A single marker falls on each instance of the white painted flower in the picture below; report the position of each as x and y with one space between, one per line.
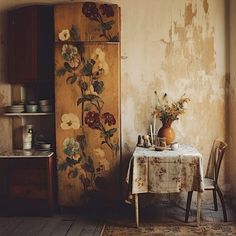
70 54
70 121
90 90
100 62
64 35
69 51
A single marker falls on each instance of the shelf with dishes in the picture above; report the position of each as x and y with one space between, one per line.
44 107
28 113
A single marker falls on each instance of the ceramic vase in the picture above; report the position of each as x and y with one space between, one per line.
167 131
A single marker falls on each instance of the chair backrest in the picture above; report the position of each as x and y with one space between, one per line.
215 159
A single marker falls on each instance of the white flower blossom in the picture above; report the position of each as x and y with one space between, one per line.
64 35
100 62
70 121
90 90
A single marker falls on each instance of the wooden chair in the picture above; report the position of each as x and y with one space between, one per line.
211 177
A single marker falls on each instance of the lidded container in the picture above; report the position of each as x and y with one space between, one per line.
28 137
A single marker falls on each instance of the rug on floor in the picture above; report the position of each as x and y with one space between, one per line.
220 229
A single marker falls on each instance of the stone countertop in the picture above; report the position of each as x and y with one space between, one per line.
26 154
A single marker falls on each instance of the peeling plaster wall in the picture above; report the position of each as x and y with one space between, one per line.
173 47
232 103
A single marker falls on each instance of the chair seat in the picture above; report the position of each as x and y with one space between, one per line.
209 184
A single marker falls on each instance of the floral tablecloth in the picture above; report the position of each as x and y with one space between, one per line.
166 171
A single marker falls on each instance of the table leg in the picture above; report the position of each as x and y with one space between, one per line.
136 210
198 207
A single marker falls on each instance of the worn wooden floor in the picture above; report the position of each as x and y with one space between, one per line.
82 224
58 225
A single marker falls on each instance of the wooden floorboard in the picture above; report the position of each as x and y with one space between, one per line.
49 226
28 226
62 228
9 224
59 225
77 227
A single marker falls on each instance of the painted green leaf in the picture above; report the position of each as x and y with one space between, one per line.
82 141
72 162
61 72
74 33
107 25
116 147
88 98
71 79
98 86
63 166
67 67
81 49
88 68
89 165
115 38
110 132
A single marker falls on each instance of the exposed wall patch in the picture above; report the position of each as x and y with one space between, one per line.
205 6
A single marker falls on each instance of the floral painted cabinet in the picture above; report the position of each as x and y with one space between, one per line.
87 103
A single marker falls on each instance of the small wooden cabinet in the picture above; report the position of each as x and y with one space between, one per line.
27 185
30 44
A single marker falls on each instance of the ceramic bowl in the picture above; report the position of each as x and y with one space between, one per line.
44 102
174 146
31 108
45 145
46 108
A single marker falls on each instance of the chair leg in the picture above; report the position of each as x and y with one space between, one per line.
189 199
222 202
215 200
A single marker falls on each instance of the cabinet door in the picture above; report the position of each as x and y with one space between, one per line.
87 123
28 179
22 41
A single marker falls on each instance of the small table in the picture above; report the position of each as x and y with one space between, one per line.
166 172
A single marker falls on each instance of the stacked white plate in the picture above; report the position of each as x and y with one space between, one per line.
18 108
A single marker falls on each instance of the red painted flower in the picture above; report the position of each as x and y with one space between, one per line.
107 10
109 118
90 10
92 119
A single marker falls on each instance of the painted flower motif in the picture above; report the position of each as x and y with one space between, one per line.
64 35
104 164
90 10
99 152
107 10
90 90
77 157
100 62
70 55
81 171
70 121
92 119
109 118
71 147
